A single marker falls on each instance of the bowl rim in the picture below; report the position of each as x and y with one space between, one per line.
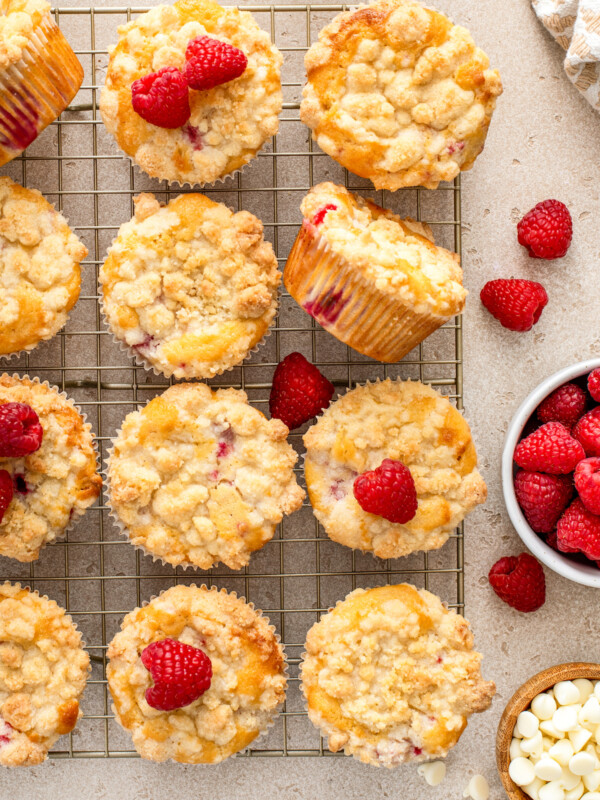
520 700
580 573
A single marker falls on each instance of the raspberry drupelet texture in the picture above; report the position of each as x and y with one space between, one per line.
546 231
587 483
6 491
211 62
519 581
299 391
578 530
565 405
162 98
516 303
181 674
388 491
543 498
587 431
550 448
20 430
593 384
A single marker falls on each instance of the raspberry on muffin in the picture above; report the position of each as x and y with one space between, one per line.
190 287
199 477
248 675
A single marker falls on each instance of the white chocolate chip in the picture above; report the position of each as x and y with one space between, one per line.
579 738
590 711
515 749
543 706
549 728
566 693
597 689
533 746
478 788
569 780
562 751
591 796
586 688
582 763
575 793
565 718
521 771
551 791
434 772
533 788
527 724
548 769
592 781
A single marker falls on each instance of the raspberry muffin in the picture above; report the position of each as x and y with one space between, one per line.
43 672
376 282
198 477
433 455
39 74
390 675
398 94
190 287
47 466
192 91
196 675
40 275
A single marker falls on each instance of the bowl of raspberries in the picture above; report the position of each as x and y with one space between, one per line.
551 472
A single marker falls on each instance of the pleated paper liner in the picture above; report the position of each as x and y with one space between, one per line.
37 88
262 732
350 307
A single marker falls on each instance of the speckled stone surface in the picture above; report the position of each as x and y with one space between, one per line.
544 142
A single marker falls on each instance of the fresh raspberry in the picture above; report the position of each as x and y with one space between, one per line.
211 62
299 391
20 430
551 449
516 303
587 431
566 404
320 215
543 498
546 231
162 98
6 491
519 581
388 491
578 530
552 541
587 483
181 674
593 384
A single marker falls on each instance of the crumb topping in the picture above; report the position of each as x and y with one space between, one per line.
399 256
228 124
403 420
18 19
398 94
191 286
39 268
198 477
390 676
56 483
43 671
248 680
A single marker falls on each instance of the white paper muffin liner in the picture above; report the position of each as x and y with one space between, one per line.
87 426
263 732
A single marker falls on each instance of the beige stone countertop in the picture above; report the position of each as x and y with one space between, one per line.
544 142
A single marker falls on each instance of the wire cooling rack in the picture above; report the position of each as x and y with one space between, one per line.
95 573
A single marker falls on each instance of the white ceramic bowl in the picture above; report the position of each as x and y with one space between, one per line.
580 573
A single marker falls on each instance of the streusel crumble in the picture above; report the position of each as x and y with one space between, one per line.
390 676
248 675
43 671
39 268
198 477
56 483
404 421
398 94
191 287
228 124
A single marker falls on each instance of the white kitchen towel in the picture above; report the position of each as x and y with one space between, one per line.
575 24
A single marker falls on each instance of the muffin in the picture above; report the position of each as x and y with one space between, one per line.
398 94
390 675
39 74
199 476
40 276
247 684
43 671
407 422
47 471
226 125
190 287
376 282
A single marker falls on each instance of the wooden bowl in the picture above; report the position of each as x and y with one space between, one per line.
521 700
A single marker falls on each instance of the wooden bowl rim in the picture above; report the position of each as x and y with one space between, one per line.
521 700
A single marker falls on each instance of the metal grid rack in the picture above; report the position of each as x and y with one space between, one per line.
95 573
